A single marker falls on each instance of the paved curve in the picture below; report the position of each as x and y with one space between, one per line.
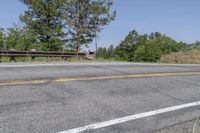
51 71
59 106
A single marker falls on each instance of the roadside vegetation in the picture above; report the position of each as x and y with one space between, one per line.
155 47
182 57
42 59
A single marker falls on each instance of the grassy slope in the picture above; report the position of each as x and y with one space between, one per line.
186 57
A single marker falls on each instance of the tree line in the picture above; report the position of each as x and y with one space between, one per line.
56 25
144 48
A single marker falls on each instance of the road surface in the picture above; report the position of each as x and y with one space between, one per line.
97 97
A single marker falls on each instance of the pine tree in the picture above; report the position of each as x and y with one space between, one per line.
45 18
84 18
127 47
1 39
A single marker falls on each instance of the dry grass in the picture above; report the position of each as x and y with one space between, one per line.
183 57
191 126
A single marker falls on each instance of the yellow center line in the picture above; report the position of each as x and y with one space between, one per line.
127 76
25 82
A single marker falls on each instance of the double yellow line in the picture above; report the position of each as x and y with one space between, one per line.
26 82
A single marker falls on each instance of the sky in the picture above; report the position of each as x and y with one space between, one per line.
179 19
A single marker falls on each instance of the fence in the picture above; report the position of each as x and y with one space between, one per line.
88 55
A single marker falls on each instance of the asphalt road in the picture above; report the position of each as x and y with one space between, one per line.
53 107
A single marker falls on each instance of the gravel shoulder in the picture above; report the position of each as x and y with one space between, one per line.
192 126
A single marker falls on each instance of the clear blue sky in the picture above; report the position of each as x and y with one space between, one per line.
180 19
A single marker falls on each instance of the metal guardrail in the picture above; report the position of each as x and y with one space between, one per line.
44 54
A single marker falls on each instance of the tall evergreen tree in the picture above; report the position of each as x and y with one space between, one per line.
44 17
125 50
86 17
110 51
1 39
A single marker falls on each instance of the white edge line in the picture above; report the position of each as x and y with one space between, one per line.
130 118
64 64
94 63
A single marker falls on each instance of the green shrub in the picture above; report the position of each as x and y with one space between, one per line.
49 59
30 59
76 59
140 54
22 59
151 52
4 59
